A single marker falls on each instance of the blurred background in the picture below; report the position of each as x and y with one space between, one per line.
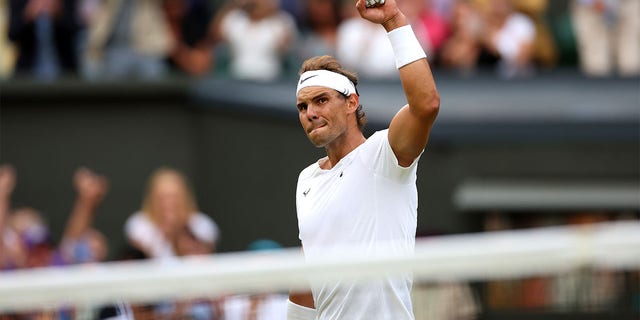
154 128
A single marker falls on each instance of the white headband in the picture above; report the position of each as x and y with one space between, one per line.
328 79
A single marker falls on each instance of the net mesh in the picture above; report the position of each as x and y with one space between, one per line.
542 272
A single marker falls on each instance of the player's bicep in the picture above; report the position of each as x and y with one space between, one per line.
408 134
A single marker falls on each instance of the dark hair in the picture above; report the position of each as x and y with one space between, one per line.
331 64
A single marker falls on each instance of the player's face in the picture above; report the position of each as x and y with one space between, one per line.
323 114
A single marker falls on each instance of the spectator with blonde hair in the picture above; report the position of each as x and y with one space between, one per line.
169 205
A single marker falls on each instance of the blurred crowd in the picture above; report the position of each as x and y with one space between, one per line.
264 40
167 225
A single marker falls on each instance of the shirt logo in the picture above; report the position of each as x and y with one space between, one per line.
304 193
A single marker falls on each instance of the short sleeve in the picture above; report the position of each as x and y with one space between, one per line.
204 228
140 229
378 155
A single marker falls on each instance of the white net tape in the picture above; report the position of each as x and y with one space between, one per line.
468 257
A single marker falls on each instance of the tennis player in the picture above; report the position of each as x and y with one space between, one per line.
363 193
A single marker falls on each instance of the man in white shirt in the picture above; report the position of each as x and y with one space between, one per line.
363 193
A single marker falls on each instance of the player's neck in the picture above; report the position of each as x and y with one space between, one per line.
341 147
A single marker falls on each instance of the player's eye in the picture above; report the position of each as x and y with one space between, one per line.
302 106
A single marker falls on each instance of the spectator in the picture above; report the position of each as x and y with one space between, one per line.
461 51
257 306
295 8
44 32
34 237
186 243
319 30
8 51
431 29
81 243
608 36
364 47
544 47
168 206
12 252
27 238
192 50
128 38
510 36
260 36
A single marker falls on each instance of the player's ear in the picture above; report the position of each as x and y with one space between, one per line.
353 102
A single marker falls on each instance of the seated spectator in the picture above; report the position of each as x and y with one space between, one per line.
364 47
10 254
510 36
431 29
260 37
260 305
44 32
461 51
80 242
187 243
608 36
33 237
8 52
192 50
168 206
127 38
544 48
319 28
26 235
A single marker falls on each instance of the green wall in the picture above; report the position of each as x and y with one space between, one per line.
244 161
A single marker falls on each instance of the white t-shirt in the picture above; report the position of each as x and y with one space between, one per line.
368 202
255 45
517 30
140 229
365 48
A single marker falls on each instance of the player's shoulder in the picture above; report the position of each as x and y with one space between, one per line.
379 135
376 139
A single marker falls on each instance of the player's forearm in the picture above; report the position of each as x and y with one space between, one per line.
420 89
415 73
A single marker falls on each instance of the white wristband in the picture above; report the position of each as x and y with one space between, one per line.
298 312
406 47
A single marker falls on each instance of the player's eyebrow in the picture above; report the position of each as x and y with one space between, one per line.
302 104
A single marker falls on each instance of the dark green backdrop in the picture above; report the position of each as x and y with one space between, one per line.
242 147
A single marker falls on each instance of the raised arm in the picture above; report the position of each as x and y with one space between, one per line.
409 129
91 189
7 184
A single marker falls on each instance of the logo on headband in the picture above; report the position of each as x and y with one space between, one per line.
309 77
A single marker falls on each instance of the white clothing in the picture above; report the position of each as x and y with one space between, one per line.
256 45
517 30
140 229
367 201
270 307
364 47
609 41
